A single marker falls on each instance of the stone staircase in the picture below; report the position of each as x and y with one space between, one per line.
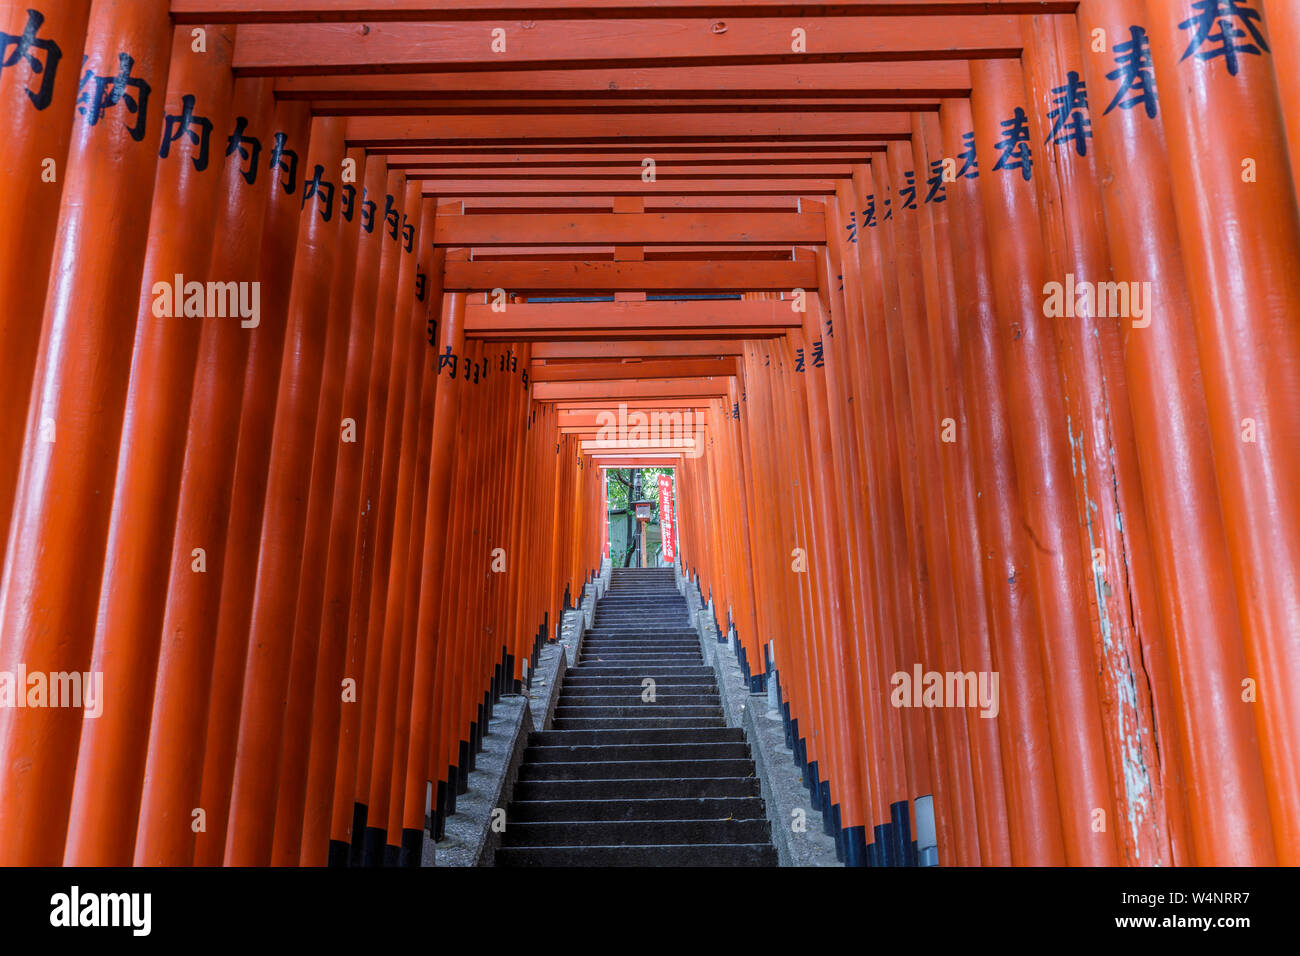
638 773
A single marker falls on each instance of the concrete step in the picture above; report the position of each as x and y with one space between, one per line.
609 640
635 833
664 808
640 789
641 634
637 660
633 698
584 687
644 614
699 735
634 769
643 653
653 722
635 710
674 646
702 854
657 671
621 781
604 753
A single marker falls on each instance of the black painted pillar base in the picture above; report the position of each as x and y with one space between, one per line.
372 853
900 815
412 850
359 812
466 765
453 788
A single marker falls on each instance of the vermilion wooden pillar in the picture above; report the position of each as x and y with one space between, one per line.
110 761
370 791
39 110
1213 782
165 835
839 348
1283 28
1041 443
63 496
927 738
842 499
940 642
961 495
1114 545
892 586
347 817
307 644
284 518
450 341
1033 815
410 330
1240 234
283 156
328 703
428 311
442 512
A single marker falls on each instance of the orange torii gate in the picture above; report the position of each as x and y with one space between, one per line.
976 351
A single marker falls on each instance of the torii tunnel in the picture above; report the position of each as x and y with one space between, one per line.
968 329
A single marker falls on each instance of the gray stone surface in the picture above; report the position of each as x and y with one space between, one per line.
545 690
470 840
780 782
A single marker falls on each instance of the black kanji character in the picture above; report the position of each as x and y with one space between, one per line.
1014 146
937 193
1070 122
286 161
817 354
322 189
798 361
348 203
1222 13
448 358
390 216
1135 72
368 207
852 227
27 47
869 214
249 147
908 192
408 234
970 168
107 91
185 123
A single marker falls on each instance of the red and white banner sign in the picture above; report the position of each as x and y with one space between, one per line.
666 517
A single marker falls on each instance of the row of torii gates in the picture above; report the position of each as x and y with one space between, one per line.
301 449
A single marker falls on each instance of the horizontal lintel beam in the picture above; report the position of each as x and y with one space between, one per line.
638 319
630 229
618 371
637 276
